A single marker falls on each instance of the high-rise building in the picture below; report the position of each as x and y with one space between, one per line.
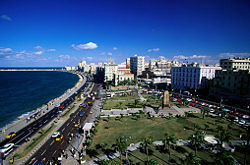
238 63
137 65
192 76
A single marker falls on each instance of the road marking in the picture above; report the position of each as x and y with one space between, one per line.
23 138
54 153
68 124
44 159
35 162
71 120
52 143
33 159
43 152
45 121
63 129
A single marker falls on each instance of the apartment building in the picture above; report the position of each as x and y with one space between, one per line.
137 65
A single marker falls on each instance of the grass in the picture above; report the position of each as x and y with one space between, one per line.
66 113
30 146
124 97
138 128
120 105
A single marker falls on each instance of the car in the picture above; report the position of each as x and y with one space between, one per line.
7 148
11 135
212 110
55 134
59 138
81 114
245 116
188 99
210 106
191 104
242 122
56 120
77 124
199 106
81 105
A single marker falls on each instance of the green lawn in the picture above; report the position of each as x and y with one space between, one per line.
123 97
120 105
138 128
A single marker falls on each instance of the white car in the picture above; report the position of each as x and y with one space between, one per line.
212 110
245 116
188 99
7 148
210 106
55 134
242 122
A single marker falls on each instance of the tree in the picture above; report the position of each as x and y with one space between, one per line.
224 158
146 144
121 146
247 135
224 136
152 162
107 162
204 112
136 102
197 140
168 142
191 159
206 127
120 105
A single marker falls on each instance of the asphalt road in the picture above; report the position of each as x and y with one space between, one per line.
52 149
33 127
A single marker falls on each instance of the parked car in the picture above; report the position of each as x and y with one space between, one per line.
55 134
245 116
11 135
7 148
242 122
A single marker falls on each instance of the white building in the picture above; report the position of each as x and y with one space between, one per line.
137 65
235 63
109 71
192 76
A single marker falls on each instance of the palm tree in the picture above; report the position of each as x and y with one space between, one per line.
107 162
191 158
121 146
224 136
152 162
136 102
168 142
206 127
197 140
120 105
224 158
145 144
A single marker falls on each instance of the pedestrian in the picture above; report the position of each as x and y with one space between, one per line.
74 155
66 155
72 150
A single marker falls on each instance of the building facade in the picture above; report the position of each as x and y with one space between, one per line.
235 63
137 65
231 83
192 76
109 72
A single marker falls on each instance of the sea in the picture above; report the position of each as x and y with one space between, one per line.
24 91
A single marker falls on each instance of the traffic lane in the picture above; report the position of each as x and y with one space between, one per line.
69 127
66 130
52 148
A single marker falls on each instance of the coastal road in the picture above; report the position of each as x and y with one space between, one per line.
51 150
27 132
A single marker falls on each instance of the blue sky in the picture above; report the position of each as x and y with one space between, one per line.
58 33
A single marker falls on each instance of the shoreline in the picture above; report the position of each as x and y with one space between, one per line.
52 102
